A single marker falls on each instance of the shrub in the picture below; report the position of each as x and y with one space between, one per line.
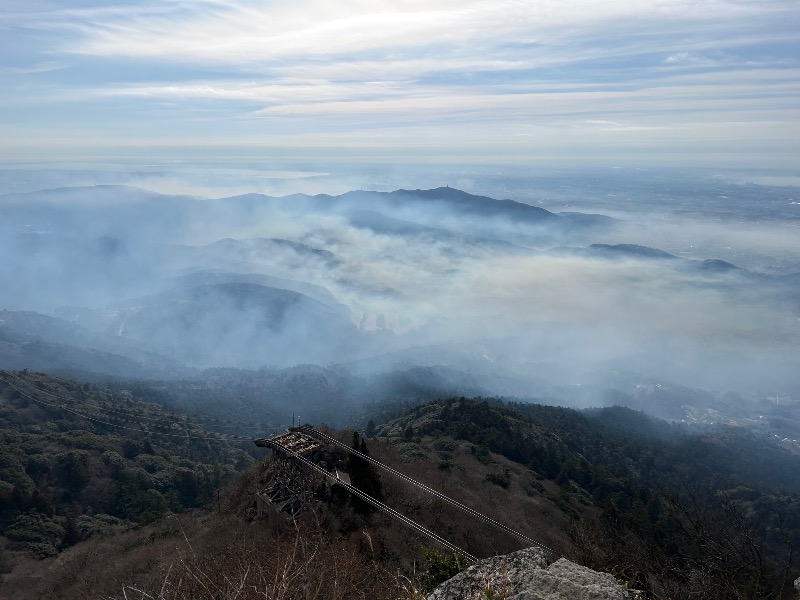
36 532
441 567
73 469
502 479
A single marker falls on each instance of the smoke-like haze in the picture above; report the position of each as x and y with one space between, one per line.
550 300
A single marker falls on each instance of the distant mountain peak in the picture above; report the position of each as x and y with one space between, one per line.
633 250
717 265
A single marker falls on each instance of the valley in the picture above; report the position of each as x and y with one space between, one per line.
634 407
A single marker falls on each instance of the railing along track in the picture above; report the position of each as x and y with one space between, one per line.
308 430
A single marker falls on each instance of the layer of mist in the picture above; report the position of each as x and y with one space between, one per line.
566 305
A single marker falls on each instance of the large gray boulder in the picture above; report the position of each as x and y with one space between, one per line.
526 575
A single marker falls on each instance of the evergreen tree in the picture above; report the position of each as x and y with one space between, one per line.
363 476
72 534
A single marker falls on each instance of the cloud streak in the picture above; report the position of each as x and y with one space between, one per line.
155 71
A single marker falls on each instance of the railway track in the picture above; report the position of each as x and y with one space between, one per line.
299 440
286 450
310 431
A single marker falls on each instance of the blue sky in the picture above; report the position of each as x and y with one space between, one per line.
702 82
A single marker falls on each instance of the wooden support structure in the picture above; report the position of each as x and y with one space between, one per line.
295 441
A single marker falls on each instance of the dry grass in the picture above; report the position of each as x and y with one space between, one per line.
519 506
220 557
205 555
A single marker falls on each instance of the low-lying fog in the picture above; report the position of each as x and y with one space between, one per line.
621 283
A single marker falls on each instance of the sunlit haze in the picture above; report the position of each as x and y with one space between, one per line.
701 83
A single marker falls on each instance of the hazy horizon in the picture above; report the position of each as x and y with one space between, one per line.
661 137
620 285
684 84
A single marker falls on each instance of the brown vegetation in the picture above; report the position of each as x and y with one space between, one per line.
556 477
204 555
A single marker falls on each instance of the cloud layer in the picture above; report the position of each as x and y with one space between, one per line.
427 274
683 81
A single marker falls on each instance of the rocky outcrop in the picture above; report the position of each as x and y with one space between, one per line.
526 575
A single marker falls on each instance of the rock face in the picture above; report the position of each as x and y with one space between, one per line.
526 575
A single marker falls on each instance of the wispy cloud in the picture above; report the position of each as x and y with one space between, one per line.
352 63
42 67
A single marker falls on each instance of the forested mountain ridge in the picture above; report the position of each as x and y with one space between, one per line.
77 461
521 298
633 444
652 501
671 510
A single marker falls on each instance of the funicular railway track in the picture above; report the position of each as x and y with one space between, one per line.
284 447
299 440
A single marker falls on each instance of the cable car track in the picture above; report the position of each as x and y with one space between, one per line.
293 439
308 430
372 501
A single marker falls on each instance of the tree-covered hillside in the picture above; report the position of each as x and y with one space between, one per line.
76 460
713 512
674 511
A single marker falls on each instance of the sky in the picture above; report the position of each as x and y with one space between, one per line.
680 82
